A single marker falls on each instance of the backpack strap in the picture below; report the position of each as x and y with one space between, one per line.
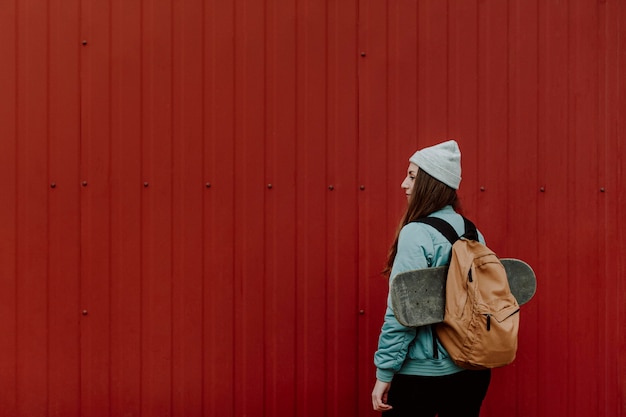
471 232
448 231
441 226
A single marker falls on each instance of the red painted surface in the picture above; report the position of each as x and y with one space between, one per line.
198 199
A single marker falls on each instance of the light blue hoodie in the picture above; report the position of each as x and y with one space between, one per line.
406 350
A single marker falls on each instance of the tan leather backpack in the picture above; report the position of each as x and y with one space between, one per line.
481 321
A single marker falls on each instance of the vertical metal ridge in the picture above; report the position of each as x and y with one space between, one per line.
48 227
142 204
172 232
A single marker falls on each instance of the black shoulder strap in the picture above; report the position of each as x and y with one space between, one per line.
448 231
442 226
471 232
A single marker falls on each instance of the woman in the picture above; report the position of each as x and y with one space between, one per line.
412 379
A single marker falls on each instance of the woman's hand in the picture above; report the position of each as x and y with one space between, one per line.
379 396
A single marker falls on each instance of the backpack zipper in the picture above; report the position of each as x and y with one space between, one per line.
488 316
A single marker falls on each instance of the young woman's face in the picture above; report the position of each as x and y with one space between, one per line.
409 181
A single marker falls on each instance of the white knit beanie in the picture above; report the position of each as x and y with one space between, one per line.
441 161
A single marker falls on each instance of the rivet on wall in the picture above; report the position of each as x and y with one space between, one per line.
542 189
270 186
482 188
84 183
53 185
207 185
362 187
602 190
331 187
146 184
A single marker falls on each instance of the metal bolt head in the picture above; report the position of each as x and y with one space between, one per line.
331 187
84 183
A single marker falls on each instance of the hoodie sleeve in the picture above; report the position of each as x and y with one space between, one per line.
415 250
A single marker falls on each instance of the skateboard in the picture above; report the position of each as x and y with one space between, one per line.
418 297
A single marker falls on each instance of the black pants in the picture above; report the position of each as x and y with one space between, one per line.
456 395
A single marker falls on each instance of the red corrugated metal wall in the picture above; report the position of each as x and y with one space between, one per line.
199 195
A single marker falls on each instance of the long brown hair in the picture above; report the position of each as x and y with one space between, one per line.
428 196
